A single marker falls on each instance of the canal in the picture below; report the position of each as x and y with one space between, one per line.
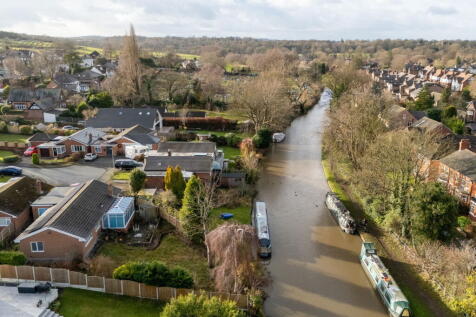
315 269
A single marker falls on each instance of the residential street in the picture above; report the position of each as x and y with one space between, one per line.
60 176
314 267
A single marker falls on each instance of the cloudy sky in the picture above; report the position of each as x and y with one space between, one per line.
275 19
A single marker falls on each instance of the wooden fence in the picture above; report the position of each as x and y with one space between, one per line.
174 221
12 146
67 278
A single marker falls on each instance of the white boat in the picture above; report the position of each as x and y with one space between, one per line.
278 137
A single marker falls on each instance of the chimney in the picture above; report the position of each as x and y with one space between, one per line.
169 152
39 188
110 190
464 144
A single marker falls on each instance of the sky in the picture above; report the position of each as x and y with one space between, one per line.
271 19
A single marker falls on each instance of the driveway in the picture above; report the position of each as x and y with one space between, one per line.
62 176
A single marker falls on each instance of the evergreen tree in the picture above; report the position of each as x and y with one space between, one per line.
136 180
446 94
466 95
190 212
179 183
168 179
424 100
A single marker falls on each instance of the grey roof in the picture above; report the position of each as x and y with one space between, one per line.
88 75
429 125
201 163
418 114
42 137
462 161
64 78
78 213
123 118
138 134
87 136
56 195
187 147
17 195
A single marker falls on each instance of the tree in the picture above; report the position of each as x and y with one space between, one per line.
449 112
446 94
456 125
434 114
73 60
193 305
136 180
6 91
100 100
344 79
466 95
424 100
35 159
81 107
249 160
174 181
171 84
434 212
211 77
190 212
45 63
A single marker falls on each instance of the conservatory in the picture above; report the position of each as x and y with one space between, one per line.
120 214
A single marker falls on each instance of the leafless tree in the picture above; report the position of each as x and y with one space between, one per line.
171 84
211 78
46 63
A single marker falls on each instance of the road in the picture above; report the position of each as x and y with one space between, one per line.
315 269
61 176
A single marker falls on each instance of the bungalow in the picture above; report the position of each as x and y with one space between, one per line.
55 196
23 98
457 172
69 230
428 125
40 138
15 198
119 119
397 117
136 135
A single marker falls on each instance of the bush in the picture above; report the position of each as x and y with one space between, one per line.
434 114
201 305
35 159
463 221
212 123
11 159
25 130
154 273
12 258
76 156
220 140
100 100
232 140
262 139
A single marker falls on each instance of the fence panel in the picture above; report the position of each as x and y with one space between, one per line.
25 272
113 286
60 276
95 281
131 288
222 296
42 274
183 291
241 300
77 278
7 271
148 291
166 293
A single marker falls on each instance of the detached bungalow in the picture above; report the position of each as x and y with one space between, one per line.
69 230
136 135
119 119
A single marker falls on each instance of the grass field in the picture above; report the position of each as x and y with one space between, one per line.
121 176
172 251
8 137
82 303
241 214
226 115
230 152
182 55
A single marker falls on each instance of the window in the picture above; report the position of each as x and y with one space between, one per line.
20 106
41 211
5 221
97 149
116 221
60 149
77 148
37 247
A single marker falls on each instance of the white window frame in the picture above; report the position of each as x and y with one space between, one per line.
5 221
44 209
97 149
74 148
37 244
20 106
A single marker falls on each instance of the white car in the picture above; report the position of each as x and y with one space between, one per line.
278 137
90 157
70 127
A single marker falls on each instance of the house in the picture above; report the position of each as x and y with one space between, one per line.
89 80
155 168
15 198
52 198
176 148
42 104
40 138
136 135
87 61
119 119
431 126
69 230
470 112
397 117
88 140
65 81
457 172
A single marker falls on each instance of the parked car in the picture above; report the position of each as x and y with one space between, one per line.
70 127
126 164
30 151
90 156
11 171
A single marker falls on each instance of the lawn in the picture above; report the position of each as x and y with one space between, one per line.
242 214
172 251
4 179
230 152
226 115
4 154
82 303
217 133
121 176
7 137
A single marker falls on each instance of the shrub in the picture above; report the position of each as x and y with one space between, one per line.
212 123
221 140
201 305
463 221
262 139
35 159
154 273
25 130
12 258
434 114
232 140
137 180
76 156
11 159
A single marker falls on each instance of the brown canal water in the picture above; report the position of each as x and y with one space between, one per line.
315 268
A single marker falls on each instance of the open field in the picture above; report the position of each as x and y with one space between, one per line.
7 137
82 303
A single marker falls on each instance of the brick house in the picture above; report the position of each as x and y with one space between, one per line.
431 126
457 172
135 135
15 198
55 196
40 138
69 230
397 117
40 104
120 119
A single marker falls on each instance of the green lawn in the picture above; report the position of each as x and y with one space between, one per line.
230 152
4 178
4 154
218 133
8 137
81 303
242 214
121 176
226 115
172 251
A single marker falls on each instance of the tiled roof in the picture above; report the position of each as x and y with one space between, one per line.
187 147
462 161
17 195
123 118
186 163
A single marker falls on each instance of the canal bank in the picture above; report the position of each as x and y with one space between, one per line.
315 269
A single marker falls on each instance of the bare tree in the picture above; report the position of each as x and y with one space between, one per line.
171 84
46 63
211 78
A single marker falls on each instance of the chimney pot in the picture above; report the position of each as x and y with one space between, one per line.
169 152
464 144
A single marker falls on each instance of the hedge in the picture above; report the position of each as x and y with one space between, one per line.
12 258
154 273
10 159
213 123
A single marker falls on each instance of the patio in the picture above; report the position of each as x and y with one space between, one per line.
13 304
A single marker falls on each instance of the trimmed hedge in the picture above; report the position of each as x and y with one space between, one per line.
213 123
12 258
154 273
10 159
